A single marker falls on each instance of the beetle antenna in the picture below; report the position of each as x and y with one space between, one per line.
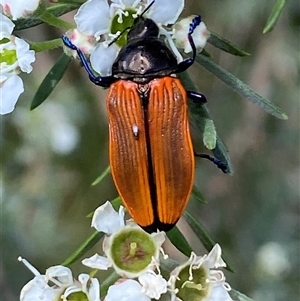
118 36
147 8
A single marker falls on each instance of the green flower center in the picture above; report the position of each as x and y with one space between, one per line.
115 27
195 289
132 250
8 56
78 296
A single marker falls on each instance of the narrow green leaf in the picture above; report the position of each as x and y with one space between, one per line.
237 296
221 152
45 45
57 10
50 81
225 45
197 194
199 116
206 53
179 241
273 18
102 176
86 246
51 19
203 235
240 87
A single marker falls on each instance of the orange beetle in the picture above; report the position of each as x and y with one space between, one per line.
150 148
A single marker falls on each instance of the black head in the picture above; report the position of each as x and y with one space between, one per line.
142 28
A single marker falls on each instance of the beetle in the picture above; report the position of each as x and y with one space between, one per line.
150 148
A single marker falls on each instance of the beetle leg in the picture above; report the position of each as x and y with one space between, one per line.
214 160
184 65
197 97
103 81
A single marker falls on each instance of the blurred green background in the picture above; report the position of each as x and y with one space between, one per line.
50 157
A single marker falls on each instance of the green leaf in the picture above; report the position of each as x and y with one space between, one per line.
51 19
202 234
240 87
197 194
225 45
205 53
179 241
210 134
50 81
273 18
86 246
45 45
102 176
221 152
57 10
199 116
237 296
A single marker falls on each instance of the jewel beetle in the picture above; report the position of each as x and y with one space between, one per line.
150 148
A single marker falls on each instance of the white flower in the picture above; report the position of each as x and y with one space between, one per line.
15 57
103 22
198 279
58 284
129 249
128 290
153 285
16 9
200 35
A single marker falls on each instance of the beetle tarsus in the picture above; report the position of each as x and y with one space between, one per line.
221 165
184 65
197 97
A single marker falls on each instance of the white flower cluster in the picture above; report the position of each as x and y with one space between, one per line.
15 58
134 256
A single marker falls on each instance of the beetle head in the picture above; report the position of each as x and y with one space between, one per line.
143 28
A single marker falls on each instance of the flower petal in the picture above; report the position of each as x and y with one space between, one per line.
127 3
166 11
19 8
214 259
60 275
94 290
93 18
102 58
25 56
128 290
37 289
97 262
218 292
10 91
106 219
7 27
153 285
